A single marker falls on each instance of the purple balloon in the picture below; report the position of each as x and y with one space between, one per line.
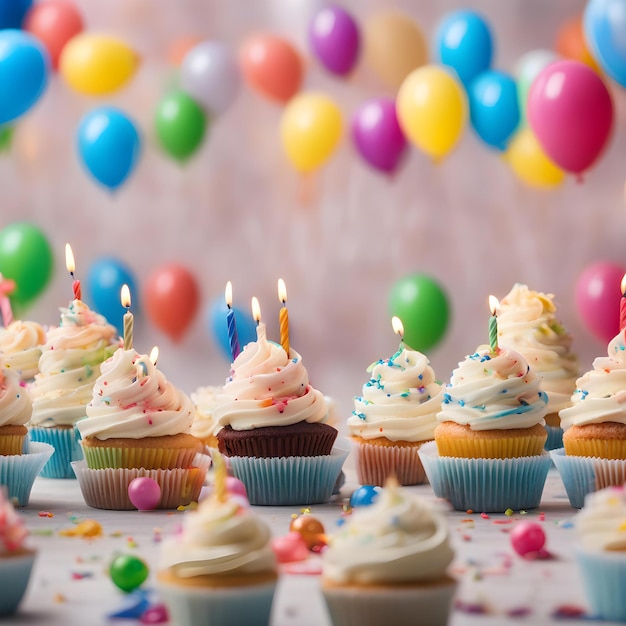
377 134
335 39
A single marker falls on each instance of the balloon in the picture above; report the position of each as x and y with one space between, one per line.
310 129
530 163
463 42
335 40
598 297
394 47
571 112
171 297
12 12
26 257
105 278
604 23
218 327
570 43
6 138
432 110
494 109
422 306
180 47
180 125
272 67
97 65
526 70
109 145
54 23
24 70
377 134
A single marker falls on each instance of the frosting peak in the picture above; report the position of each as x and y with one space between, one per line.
16 404
601 524
20 344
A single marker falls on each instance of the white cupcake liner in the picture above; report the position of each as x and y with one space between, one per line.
603 576
486 485
18 472
108 488
289 480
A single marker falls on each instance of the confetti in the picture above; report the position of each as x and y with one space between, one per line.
45 514
484 515
509 512
88 528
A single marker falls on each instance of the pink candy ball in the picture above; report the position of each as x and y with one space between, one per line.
144 493
527 537
290 548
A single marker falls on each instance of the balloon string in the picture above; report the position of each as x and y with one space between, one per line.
307 189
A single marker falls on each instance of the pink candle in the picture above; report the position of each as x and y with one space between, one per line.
7 287
622 305
71 267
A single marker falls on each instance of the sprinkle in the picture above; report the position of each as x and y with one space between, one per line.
566 523
473 608
469 511
541 517
502 521
58 598
509 512
523 512
130 542
484 515
81 575
522 611
45 514
568 610
87 528
466 537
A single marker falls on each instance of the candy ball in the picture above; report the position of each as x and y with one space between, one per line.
364 496
311 530
128 572
527 537
290 548
234 485
144 493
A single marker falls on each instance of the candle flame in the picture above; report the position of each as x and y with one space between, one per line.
154 355
623 285
282 291
398 328
125 296
69 259
494 305
228 294
256 310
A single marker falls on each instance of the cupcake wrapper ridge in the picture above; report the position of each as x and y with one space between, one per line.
18 472
603 576
66 449
555 438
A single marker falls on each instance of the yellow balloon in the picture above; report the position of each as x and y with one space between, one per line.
531 164
432 110
310 129
97 65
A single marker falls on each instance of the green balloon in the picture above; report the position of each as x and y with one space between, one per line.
180 125
422 306
26 257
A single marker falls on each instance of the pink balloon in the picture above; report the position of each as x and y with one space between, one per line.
570 111
598 298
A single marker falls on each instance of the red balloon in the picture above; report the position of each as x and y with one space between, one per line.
54 23
570 111
171 298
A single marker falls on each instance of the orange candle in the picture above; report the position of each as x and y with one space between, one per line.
283 316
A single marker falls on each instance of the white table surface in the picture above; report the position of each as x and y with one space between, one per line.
70 584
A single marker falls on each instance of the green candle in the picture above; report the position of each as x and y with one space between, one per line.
493 323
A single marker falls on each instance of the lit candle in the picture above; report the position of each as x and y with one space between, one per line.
219 467
71 267
128 318
494 305
260 326
233 338
7 287
283 316
398 328
622 305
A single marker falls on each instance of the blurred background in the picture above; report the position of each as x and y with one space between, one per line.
294 163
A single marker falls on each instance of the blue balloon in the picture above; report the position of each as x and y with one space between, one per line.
604 25
463 42
13 12
109 145
24 71
494 107
103 286
218 327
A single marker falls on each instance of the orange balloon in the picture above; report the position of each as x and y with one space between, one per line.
272 66
570 43
171 298
54 23
180 47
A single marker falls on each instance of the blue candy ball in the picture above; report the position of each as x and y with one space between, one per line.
364 496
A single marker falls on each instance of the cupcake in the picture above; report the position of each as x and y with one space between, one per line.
388 564
16 559
601 552
203 427
21 343
393 417
271 424
16 407
220 567
137 423
488 451
527 323
68 368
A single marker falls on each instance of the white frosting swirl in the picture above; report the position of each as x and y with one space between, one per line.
397 539
267 388
133 399
494 391
205 401
601 524
219 538
400 400
527 324
20 344
600 394
16 405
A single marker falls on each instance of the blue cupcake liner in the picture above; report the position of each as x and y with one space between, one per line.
603 577
66 449
486 485
584 474
18 472
300 480
555 438
14 576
